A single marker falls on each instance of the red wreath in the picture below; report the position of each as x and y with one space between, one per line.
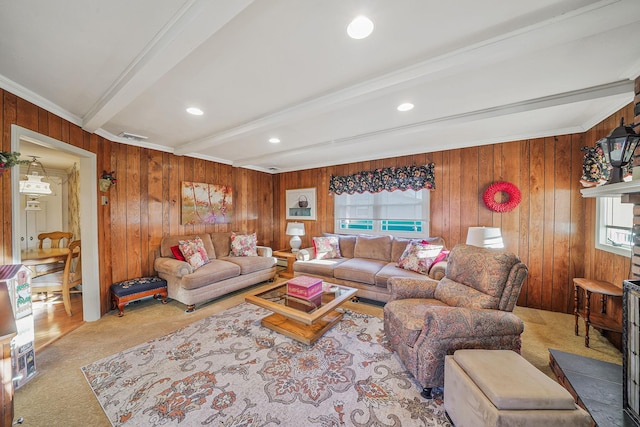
502 187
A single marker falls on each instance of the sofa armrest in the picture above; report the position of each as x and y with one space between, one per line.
442 322
172 267
264 251
437 270
405 287
305 254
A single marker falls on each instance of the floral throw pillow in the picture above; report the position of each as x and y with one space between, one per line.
194 252
419 256
244 244
326 247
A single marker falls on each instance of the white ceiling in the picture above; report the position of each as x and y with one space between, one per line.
478 72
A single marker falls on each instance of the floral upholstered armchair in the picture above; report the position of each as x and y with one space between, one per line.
471 307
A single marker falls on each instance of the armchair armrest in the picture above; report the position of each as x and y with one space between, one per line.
442 322
172 267
264 251
404 287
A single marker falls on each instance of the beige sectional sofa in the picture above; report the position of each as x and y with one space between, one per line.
223 274
366 263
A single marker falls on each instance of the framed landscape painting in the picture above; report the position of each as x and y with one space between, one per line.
206 203
301 204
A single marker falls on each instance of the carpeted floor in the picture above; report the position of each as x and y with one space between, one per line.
59 394
229 370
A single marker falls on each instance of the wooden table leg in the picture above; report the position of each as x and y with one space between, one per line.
575 306
587 320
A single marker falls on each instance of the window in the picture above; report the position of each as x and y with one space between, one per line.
399 213
614 222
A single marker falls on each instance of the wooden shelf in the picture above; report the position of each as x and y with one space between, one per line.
601 321
611 190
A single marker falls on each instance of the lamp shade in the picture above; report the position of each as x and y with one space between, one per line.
295 229
485 237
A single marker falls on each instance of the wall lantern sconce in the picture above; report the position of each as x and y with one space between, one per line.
618 148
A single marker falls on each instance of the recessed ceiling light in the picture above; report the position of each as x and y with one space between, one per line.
274 140
405 107
360 28
195 111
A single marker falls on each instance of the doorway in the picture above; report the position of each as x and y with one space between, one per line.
88 219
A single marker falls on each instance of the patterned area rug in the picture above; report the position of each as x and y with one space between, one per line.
227 370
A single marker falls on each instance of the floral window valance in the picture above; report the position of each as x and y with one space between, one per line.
389 179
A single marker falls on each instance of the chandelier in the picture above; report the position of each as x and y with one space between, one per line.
33 187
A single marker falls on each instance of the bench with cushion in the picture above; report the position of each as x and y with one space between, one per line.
122 293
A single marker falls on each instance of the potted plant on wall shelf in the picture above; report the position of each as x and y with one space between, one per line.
9 159
107 180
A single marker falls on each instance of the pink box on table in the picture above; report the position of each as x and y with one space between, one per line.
304 287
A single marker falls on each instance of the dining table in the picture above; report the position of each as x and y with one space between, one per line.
33 257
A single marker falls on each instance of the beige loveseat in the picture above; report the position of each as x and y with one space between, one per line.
223 274
366 263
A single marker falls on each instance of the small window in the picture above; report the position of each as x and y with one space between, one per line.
399 213
614 225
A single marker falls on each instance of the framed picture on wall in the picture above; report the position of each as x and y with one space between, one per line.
206 203
301 204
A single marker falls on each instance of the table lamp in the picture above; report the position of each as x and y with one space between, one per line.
485 237
295 230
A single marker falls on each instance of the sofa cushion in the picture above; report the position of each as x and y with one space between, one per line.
168 241
419 256
327 247
399 244
194 252
373 247
249 264
347 243
459 295
215 271
359 270
244 244
318 267
221 243
390 270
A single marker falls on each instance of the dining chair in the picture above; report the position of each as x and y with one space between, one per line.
57 239
63 281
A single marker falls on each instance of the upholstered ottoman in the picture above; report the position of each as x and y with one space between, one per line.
500 388
134 289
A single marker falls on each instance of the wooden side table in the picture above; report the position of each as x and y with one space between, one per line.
597 320
290 257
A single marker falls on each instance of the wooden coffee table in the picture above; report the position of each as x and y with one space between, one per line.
296 318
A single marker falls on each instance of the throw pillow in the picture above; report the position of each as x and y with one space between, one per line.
194 252
441 257
327 247
419 256
244 244
175 250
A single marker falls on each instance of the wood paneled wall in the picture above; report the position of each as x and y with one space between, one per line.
145 203
551 230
